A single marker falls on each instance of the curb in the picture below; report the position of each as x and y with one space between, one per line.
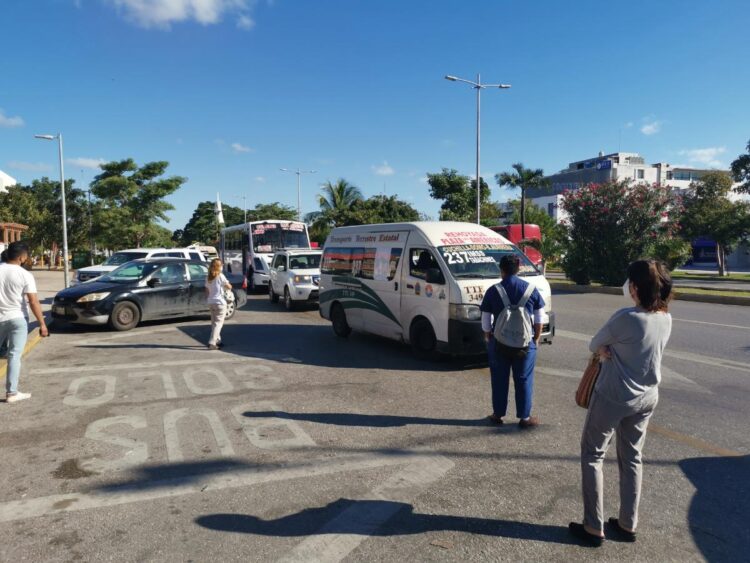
34 338
694 297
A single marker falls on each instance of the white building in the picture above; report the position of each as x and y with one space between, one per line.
6 181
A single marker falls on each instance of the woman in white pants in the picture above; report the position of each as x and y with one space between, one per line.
216 283
630 347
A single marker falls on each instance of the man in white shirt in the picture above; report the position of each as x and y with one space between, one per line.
16 286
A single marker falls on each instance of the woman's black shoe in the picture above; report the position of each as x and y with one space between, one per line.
580 532
620 533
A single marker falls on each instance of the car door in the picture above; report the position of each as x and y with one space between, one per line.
167 293
197 300
419 297
379 269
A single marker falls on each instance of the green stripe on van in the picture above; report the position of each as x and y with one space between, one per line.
360 297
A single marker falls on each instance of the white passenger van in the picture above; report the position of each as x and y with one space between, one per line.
420 283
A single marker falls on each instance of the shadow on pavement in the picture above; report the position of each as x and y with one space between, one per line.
317 345
363 517
368 420
149 477
719 514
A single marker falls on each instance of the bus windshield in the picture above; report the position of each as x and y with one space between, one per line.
268 237
482 260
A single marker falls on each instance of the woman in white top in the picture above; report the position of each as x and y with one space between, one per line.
216 283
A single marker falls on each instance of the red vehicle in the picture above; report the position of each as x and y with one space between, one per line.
513 234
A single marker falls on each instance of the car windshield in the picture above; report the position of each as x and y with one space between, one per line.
304 261
120 258
482 260
130 272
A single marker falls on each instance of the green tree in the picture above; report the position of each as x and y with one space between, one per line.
523 178
335 203
741 171
202 227
707 211
459 196
132 200
273 210
609 225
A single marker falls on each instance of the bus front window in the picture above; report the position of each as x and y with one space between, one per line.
268 237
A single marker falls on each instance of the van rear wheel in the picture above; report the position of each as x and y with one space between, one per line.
423 340
338 321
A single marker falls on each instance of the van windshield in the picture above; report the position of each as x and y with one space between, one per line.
482 260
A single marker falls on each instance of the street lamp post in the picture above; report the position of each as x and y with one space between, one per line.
478 86
299 173
62 199
244 205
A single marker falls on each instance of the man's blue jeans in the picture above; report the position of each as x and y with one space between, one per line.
523 381
14 332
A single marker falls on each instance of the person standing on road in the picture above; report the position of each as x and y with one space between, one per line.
16 286
630 347
216 283
502 364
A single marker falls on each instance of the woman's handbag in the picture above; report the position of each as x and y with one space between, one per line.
588 381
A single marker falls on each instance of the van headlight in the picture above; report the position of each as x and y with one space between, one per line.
302 279
91 297
465 312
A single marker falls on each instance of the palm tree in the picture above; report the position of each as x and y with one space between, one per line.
337 196
523 178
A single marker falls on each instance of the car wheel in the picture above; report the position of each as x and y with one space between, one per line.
423 340
271 294
125 316
231 308
288 301
338 321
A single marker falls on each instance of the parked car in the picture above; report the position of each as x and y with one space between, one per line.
295 275
121 257
142 290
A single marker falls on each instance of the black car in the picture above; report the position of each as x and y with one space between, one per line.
142 290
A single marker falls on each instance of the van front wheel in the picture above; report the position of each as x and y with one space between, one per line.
338 321
423 340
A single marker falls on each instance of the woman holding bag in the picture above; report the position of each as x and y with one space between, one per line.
630 346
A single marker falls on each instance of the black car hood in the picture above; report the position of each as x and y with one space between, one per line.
78 291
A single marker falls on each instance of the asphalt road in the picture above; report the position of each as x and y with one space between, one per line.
294 445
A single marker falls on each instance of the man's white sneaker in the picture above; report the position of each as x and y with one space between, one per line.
17 397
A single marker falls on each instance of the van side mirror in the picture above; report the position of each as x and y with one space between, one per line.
154 282
281 268
434 275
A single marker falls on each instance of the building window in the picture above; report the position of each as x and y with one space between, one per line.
669 175
640 174
551 209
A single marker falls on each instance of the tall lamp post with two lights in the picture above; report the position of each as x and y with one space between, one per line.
478 86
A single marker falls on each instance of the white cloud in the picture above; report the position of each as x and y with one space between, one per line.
163 13
245 22
29 166
651 127
7 121
239 148
260 179
383 169
706 157
83 162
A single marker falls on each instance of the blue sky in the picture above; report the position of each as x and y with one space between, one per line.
229 91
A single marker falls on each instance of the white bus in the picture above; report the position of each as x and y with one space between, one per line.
420 283
247 249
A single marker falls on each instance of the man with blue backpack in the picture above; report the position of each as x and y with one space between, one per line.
512 323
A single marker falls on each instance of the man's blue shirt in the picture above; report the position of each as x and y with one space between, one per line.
514 287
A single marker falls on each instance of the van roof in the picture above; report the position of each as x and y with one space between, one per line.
299 250
432 230
154 250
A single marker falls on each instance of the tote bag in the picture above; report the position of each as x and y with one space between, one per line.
588 381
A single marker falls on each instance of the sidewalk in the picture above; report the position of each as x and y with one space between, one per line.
48 283
714 284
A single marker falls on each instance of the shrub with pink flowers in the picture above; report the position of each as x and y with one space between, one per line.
609 225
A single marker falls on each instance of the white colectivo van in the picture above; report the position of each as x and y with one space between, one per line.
421 283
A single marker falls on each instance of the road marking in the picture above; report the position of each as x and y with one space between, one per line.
697 358
712 324
402 487
134 366
128 493
692 441
172 437
670 378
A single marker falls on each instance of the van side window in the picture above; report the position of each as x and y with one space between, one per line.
365 263
258 265
195 256
278 261
337 261
421 260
